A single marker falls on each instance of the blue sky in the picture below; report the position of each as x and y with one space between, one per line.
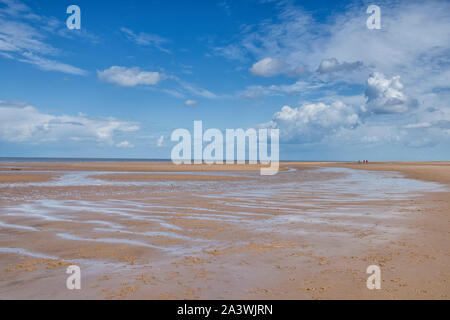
137 70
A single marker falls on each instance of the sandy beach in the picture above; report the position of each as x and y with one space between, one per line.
153 230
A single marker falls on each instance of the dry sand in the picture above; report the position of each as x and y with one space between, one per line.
303 234
15 177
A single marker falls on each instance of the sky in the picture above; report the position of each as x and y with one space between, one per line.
138 70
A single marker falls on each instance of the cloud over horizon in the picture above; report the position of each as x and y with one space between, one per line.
22 123
314 121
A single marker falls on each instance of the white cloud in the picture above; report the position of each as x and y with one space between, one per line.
125 145
412 43
385 95
12 7
333 65
258 92
368 135
160 142
312 122
23 38
146 39
418 125
201 92
17 36
50 65
190 103
129 77
410 32
232 52
24 123
404 67
270 67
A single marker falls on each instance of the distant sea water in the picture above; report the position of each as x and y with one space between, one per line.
40 160
43 160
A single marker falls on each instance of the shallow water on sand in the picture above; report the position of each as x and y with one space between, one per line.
180 215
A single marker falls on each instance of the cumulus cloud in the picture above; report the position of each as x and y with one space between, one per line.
333 65
386 95
129 77
314 121
26 124
412 43
401 71
190 103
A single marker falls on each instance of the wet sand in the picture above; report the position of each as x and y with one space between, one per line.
158 231
123 167
163 177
